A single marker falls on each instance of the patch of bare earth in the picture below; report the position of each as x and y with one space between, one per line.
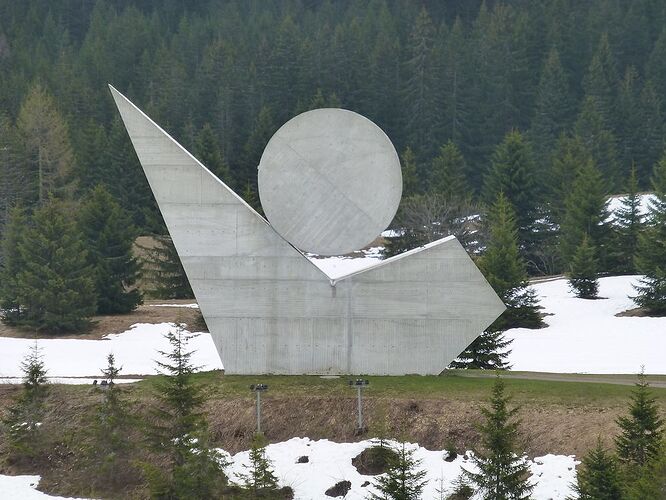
149 312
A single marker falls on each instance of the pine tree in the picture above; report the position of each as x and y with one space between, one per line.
410 179
259 479
12 309
502 475
598 477
651 257
403 480
164 270
180 429
448 174
23 418
504 269
109 237
263 130
512 173
640 440
585 214
55 285
583 273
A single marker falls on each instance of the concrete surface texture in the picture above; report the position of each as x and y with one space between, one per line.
270 310
330 181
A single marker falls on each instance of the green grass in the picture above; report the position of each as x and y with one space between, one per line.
459 386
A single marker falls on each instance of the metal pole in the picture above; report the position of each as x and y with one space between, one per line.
360 407
258 412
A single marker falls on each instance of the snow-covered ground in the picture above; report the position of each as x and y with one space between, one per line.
585 336
135 350
329 463
22 488
343 265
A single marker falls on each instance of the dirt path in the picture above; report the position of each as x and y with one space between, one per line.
618 379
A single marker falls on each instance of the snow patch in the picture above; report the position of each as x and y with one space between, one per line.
585 336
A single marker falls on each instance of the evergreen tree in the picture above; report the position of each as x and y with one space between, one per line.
410 179
585 214
263 130
23 418
56 284
403 480
598 477
583 274
46 142
502 475
208 153
651 257
12 309
650 482
111 429
449 173
109 236
164 270
504 269
601 79
512 173
569 156
180 431
599 140
640 440
627 226
420 87
259 479
553 106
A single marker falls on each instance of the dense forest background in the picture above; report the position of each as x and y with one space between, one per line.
221 77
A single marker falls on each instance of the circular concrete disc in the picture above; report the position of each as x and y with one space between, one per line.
330 181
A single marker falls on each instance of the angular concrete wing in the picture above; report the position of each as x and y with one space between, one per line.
270 310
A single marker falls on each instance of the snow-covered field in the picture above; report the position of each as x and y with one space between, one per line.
329 463
585 336
135 350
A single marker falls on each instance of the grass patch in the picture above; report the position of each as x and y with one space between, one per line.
468 386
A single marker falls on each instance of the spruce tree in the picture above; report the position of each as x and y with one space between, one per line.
502 475
23 418
504 268
164 270
109 237
583 273
627 226
208 152
403 479
259 478
598 477
640 440
111 430
448 175
512 172
56 284
585 214
180 431
11 264
651 257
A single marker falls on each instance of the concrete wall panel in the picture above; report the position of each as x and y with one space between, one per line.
270 310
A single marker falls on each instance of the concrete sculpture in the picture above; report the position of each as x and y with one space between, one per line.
270 310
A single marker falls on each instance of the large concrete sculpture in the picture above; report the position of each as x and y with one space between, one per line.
270 310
